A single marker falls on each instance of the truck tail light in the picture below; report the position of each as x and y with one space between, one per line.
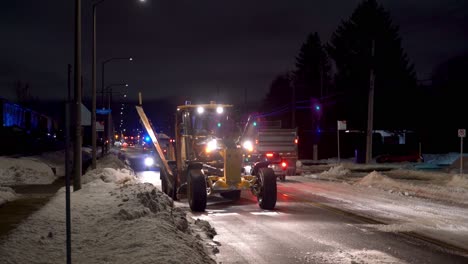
296 141
269 155
284 165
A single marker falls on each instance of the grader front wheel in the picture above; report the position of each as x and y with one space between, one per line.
267 188
197 191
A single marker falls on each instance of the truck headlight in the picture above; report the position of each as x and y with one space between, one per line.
149 161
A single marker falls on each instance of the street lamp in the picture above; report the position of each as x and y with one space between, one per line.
94 91
106 126
109 104
103 67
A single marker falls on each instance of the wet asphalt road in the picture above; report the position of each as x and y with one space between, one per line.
299 230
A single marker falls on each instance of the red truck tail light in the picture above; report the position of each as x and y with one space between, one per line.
269 155
296 141
284 165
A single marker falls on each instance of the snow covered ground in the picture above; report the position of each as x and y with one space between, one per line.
431 203
117 220
114 220
18 171
6 194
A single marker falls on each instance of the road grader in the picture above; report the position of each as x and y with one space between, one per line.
207 160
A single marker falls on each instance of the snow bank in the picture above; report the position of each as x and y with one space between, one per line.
109 175
435 186
377 179
336 171
24 171
113 221
111 161
460 181
6 194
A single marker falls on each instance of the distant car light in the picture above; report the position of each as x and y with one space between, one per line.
149 161
219 110
200 110
248 145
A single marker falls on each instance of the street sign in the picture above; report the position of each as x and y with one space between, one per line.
103 111
461 133
341 124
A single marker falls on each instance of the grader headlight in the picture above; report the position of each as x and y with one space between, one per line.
211 146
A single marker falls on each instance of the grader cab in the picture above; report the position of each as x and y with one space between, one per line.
209 162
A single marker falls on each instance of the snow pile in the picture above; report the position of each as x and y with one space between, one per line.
112 222
460 181
24 171
111 161
6 194
377 179
336 171
109 175
428 185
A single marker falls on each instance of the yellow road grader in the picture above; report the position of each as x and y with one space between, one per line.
207 160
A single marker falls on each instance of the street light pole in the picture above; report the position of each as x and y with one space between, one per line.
370 108
109 106
107 124
78 139
93 104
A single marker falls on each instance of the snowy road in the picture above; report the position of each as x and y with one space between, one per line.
310 226
301 231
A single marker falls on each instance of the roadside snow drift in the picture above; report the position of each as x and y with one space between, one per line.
114 220
24 171
6 194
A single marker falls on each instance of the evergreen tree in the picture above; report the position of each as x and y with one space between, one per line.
312 74
311 84
370 25
278 100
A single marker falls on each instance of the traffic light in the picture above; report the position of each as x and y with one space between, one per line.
317 107
219 124
255 123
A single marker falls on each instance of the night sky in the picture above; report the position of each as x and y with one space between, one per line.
201 50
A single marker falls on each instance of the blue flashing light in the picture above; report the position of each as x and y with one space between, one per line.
219 124
317 107
255 123
147 139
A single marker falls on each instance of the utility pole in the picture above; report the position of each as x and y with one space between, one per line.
68 105
109 118
93 94
102 103
77 70
370 108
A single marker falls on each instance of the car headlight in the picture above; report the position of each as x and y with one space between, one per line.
149 161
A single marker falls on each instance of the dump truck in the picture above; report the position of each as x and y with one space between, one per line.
207 159
268 141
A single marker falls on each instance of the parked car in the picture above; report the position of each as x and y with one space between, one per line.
387 158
